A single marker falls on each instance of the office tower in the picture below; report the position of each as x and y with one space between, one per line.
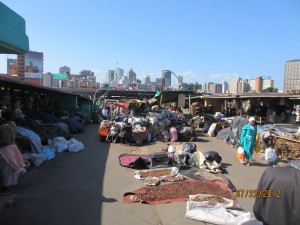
12 67
179 80
233 85
65 69
109 75
131 76
119 73
166 75
225 87
146 79
292 75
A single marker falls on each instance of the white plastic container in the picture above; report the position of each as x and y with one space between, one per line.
171 149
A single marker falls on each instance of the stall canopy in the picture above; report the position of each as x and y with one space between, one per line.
13 38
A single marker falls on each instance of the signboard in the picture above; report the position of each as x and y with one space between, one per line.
60 76
33 65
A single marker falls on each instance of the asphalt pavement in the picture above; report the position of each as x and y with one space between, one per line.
87 188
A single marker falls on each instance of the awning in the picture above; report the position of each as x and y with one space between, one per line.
13 38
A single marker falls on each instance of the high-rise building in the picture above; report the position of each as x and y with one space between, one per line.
131 76
267 82
179 80
47 79
167 74
86 73
65 69
209 87
233 85
225 87
109 75
146 80
12 67
119 73
259 83
292 75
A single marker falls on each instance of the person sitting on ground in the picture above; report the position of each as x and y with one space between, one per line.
278 195
248 140
12 164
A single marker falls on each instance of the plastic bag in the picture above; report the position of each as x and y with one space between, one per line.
74 145
270 155
240 153
189 147
59 144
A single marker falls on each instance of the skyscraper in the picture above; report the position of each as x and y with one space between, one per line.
12 67
146 79
131 76
65 69
109 75
292 75
166 74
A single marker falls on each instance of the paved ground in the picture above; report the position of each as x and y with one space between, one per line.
86 188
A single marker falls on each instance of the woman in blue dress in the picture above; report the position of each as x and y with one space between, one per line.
248 140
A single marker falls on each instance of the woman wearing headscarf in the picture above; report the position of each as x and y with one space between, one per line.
248 140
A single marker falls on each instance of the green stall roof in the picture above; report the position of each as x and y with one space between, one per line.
13 38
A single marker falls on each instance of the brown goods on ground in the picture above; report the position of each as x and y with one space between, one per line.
155 173
152 181
172 178
211 199
208 176
182 190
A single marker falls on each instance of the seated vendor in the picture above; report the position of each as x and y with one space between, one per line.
12 164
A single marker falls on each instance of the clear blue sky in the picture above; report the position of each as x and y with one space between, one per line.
202 40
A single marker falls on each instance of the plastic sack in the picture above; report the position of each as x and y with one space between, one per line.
48 152
213 156
189 147
59 144
258 146
270 155
74 145
240 153
173 134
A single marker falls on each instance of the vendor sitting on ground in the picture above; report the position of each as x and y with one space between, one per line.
12 164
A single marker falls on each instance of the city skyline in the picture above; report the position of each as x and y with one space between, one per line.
202 41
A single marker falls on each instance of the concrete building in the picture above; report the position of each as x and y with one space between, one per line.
86 73
12 67
65 69
167 76
292 75
131 76
225 87
179 80
146 80
259 83
47 79
109 75
233 85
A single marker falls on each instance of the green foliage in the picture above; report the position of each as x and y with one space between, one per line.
270 89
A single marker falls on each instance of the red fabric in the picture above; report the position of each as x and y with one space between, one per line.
122 105
222 184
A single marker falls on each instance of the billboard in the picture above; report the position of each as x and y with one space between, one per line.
33 65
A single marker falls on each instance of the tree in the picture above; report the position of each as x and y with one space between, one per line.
270 89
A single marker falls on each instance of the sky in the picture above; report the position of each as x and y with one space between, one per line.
201 40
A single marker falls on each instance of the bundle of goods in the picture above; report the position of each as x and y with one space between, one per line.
287 147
